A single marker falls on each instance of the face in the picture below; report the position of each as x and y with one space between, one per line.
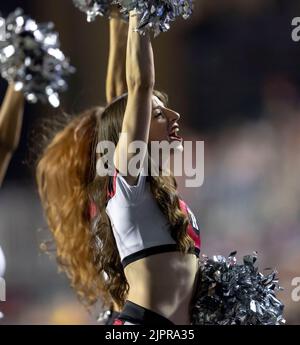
164 124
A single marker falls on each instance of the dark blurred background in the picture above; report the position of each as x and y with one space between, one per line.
232 72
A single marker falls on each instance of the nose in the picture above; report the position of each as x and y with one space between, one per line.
173 115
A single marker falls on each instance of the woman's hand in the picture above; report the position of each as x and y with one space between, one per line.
115 12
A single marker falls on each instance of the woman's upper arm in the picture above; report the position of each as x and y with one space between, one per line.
135 127
5 156
116 73
140 76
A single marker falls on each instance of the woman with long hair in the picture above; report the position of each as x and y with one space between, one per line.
126 238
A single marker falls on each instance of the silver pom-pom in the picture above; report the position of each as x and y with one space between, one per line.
228 293
156 15
93 8
31 58
104 316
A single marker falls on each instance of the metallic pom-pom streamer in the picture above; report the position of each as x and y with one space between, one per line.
31 57
156 15
228 293
93 8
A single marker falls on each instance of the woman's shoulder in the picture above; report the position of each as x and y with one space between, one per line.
120 188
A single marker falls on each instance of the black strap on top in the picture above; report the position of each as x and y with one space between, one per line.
133 312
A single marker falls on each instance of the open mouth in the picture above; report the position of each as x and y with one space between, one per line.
173 134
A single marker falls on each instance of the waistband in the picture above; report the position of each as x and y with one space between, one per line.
156 250
142 316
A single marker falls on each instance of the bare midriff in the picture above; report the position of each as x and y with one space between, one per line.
164 284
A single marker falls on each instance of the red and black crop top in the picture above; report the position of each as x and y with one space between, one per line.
139 227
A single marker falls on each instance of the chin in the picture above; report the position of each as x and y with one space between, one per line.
178 147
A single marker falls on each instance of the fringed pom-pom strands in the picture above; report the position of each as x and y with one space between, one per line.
154 15
31 58
93 8
157 15
229 293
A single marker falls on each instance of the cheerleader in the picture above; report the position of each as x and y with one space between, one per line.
138 244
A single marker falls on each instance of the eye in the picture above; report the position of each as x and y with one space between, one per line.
158 114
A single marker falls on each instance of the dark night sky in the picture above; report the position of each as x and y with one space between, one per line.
214 71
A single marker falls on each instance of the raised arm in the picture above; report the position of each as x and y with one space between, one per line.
140 78
11 116
116 73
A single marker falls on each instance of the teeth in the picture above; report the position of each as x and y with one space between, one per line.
175 131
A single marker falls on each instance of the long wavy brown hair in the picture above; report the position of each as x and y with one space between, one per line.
67 183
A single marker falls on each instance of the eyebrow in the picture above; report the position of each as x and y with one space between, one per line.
158 107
